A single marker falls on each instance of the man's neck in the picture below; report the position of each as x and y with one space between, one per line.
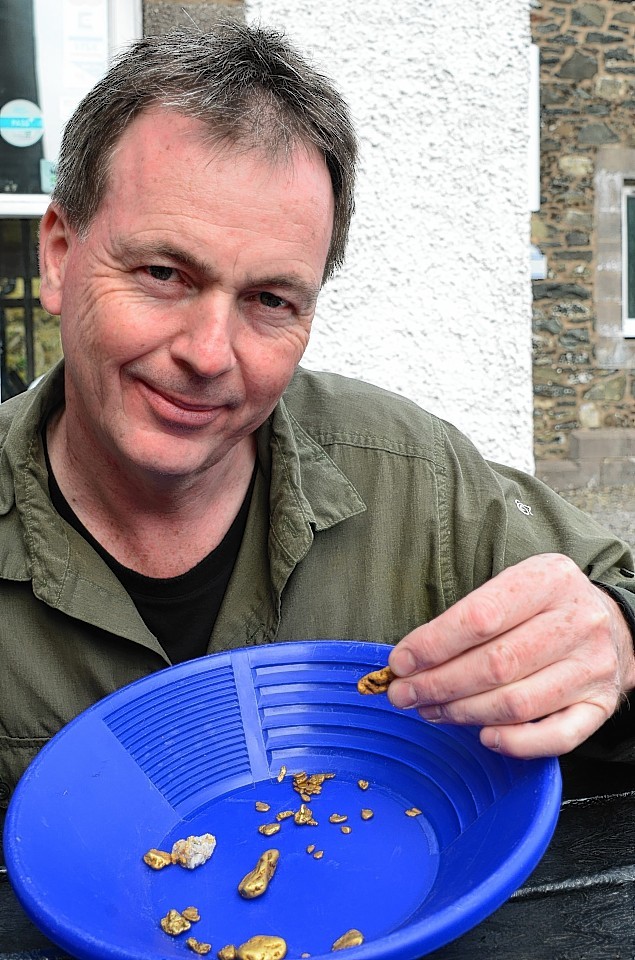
158 526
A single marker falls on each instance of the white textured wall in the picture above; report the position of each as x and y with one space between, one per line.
434 299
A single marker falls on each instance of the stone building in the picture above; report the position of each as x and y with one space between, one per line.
584 345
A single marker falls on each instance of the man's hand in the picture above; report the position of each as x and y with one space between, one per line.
538 656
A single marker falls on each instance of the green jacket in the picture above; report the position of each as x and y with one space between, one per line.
369 517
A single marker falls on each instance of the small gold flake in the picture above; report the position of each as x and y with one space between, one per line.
197 946
318 854
191 913
310 848
346 829
174 923
268 829
262 948
305 796
284 814
352 938
363 784
338 818
282 774
257 880
377 681
413 812
367 814
157 859
262 807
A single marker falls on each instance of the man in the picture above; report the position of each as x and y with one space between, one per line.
179 486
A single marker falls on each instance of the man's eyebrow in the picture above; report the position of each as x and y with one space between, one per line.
148 252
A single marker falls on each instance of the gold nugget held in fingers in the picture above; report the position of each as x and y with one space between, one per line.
377 681
257 880
352 938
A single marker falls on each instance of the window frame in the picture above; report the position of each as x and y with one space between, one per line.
124 25
628 275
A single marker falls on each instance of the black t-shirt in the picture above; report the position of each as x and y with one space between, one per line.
180 611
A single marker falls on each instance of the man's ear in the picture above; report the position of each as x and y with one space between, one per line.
56 237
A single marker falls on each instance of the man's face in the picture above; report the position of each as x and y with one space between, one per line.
188 306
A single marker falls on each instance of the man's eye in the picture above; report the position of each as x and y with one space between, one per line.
161 273
270 300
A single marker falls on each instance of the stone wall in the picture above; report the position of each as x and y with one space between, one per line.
584 369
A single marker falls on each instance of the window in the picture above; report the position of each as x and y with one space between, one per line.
628 259
51 53
614 182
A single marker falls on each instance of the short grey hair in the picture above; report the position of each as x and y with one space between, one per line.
247 84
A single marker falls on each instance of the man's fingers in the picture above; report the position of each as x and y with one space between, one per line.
554 688
519 653
556 734
513 597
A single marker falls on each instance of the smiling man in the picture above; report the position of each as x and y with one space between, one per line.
185 312
179 485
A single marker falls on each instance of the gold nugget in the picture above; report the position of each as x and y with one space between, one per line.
338 818
257 880
282 774
318 854
304 816
198 946
310 848
310 784
268 829
377 681
284 814
174 923
227 953
262 807
362 784
367 814
352 938
191 914
346 829
262 948
413 812
157 859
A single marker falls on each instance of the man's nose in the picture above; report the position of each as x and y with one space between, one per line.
206 340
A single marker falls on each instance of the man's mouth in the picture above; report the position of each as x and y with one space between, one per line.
180 411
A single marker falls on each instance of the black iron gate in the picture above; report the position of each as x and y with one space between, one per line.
29 339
